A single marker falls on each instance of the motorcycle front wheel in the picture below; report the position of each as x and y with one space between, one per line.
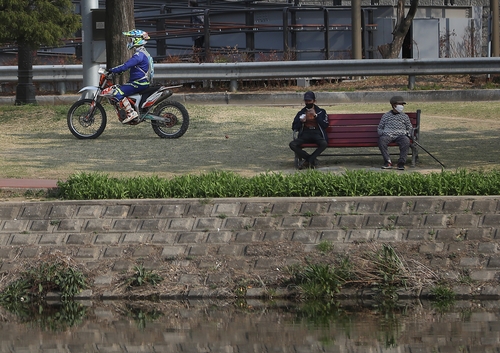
86 122
177 120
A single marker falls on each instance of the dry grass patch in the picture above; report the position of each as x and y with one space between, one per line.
248 140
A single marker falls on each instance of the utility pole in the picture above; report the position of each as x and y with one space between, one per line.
356 29
90 68
495 28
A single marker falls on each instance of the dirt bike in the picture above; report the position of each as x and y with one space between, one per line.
87 117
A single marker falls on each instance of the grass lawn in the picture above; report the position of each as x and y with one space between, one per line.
248 140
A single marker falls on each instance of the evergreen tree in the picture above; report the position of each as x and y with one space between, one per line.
31 24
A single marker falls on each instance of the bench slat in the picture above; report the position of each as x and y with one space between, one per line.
349 143
374 116
352 129
360 121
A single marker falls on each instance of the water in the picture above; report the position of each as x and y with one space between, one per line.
253 326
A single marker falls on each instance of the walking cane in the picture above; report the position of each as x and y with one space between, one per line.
419 145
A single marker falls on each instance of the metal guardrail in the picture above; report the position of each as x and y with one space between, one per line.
327 68
278 69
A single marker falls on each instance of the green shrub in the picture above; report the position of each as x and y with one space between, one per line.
442 293
443 298
378 268
34 283
143 277
325 246
319 281
218 184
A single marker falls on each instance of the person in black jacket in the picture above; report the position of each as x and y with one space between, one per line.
310 123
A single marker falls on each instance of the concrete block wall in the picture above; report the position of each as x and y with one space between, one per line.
209 245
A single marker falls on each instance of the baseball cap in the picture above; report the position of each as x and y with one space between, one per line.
309 96
397 99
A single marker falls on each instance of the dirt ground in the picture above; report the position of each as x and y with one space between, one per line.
414 267
238 281
374 83
247 140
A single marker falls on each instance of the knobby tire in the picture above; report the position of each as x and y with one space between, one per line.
84 125
179 120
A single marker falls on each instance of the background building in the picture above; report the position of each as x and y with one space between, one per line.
292 30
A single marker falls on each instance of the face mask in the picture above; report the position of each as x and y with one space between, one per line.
399 108
309 105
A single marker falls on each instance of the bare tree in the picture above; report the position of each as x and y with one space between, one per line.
403 24
468 46
119 19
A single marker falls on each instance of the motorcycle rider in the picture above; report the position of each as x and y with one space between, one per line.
141 72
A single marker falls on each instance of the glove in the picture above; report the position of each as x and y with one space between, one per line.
114 70
302 117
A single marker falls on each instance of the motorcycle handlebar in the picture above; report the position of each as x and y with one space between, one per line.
105 72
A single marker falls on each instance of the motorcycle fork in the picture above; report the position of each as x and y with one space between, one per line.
95 100
93 105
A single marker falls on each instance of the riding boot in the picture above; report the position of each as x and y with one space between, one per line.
131 113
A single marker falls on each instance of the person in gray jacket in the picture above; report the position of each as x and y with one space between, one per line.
395 126
310 123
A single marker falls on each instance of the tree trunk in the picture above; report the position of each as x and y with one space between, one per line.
403 24
25 90
119 18
391 50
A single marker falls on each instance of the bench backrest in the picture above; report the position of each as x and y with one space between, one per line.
358 129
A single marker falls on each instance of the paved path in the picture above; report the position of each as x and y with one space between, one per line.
27 183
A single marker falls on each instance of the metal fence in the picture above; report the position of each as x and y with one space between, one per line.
61 75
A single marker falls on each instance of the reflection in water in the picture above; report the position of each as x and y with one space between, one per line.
56 317
253 326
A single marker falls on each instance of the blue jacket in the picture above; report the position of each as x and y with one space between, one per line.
140 66
321 119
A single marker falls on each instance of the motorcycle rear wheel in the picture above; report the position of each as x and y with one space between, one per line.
82 123
178 116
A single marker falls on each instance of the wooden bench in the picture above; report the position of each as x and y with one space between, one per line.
360 130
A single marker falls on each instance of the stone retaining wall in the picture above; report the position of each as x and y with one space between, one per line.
207 248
